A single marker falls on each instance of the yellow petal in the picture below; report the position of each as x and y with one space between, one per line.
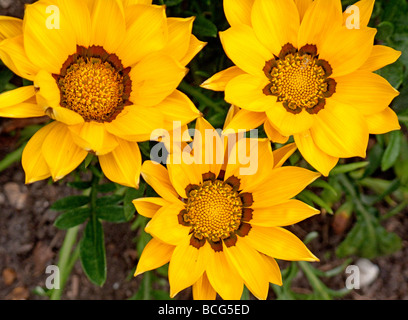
13 55
319 20
195 47
48 93
146 33
303 6
246 92
108 25
381 56
127 3
282 154
46 43
123 164
243 47
279 243
93 137
134 122
78 14
318 159
340 131
10 27
382 122
365 10
275 23
273 191
62 114
284 214
154 78
347 50
250 265
60 151
177 107
20 103
148 207
157 177
179 34
34 164
202 289
165 226
185 268
219 81
288 123
238 11
366 91
273 134
273 271
155 254
224 277
246 120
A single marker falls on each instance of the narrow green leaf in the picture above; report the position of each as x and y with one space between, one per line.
344 168
109 200
392 151
70 202
80 185
130 195
204 27
72 218
92 252
111 213
12 157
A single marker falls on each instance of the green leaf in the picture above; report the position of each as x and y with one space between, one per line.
172 3
70 202
111 213
92 252
109 200
130 195
344 168
80 185
72 218
204 27
392 151
12 157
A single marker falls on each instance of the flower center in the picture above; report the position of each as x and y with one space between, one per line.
215 211
299 79
94 84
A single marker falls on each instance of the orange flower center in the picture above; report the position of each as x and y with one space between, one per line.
299 79
216 212
94 84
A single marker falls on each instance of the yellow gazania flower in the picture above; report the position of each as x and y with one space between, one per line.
219 229
302 70
106 71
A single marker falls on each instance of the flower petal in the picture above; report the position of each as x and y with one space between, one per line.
279 243
202 289
157 177
246 120
155 254
340 131
219 81
250 265
365 10
185 268
347 50
318 159
275 23
287 123
282 154
243 47
146 33
46 43
108 25
60 151
380 57
13 55
303 6
238 11
224 277
273 272
20 103
366 91
165 226
195 47
283 214
135 123
246 92
148 207
33 161
273 134
10 27
93 137
383 122
272 192
154 78
123 164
